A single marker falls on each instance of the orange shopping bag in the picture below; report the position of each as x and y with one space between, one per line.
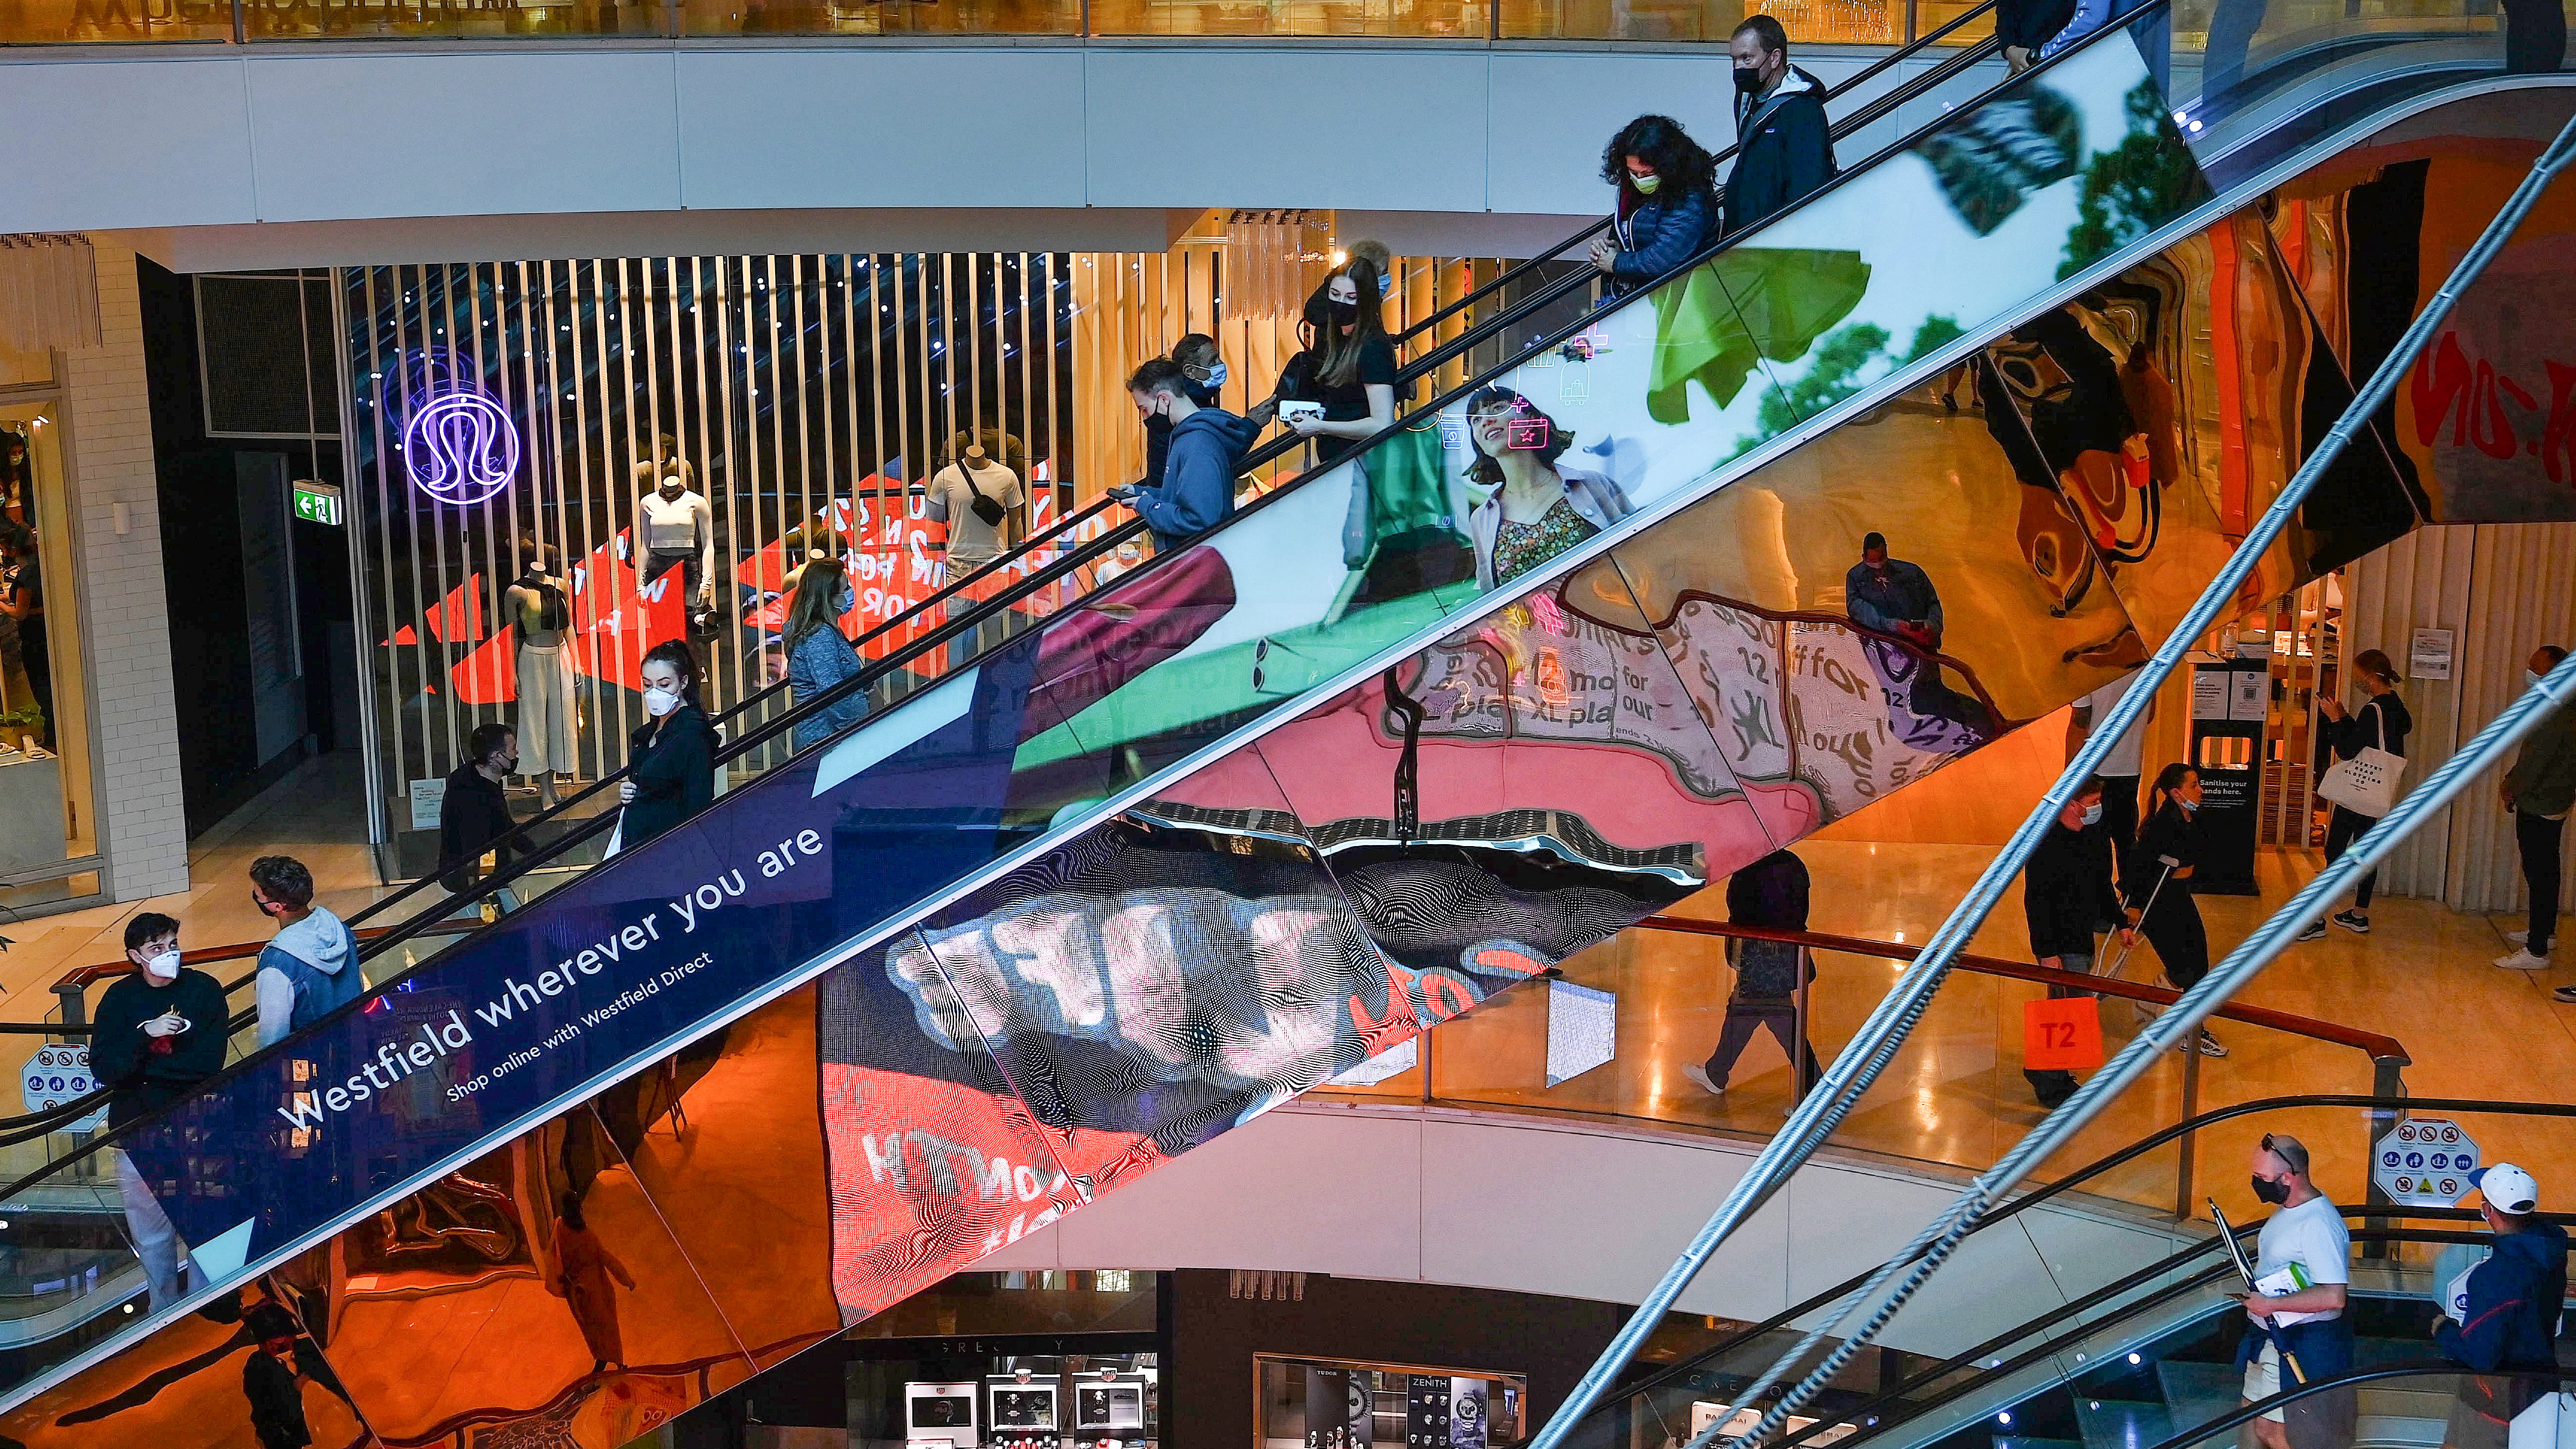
2061 1035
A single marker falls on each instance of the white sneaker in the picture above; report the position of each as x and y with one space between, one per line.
2523 961
2517 938
1698 1077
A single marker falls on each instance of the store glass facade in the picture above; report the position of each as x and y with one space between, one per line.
49 847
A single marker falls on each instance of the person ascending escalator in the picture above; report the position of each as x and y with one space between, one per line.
1666 213
1783 146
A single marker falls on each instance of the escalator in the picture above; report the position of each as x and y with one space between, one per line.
2121 1356
1268 808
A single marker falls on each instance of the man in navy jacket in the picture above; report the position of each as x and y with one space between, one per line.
1197 491
2510 1325
1783 146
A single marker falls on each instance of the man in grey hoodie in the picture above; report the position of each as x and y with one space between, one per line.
310 967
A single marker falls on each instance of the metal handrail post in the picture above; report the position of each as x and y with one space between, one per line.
2387 1080
2187 1148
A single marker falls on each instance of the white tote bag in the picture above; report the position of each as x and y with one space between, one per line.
2366 784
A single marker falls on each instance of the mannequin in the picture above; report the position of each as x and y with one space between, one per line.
973 542
540 603
678 526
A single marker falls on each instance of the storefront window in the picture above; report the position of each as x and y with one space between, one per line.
46 821
1308 1403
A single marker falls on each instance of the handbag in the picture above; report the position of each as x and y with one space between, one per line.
2366 784
986 508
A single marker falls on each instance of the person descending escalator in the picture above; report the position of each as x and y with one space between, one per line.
2296 1330
1783 146
1203 378
671 758
1666 214
2157 883
1208 444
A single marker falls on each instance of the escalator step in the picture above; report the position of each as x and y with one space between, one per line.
2397 1431
2123 1423
2197 1393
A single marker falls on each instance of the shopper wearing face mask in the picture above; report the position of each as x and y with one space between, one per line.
1665 214
158 1032
1348 365
2537 792
2383 724
2157 884
1783 147
2507 1333
2065 892
671 758
1203 378
1208 444
819 655
474 817
310 967
2302 1266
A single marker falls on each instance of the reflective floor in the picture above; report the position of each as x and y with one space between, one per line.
1956 1095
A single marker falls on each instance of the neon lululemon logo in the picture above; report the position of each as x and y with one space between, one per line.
460 446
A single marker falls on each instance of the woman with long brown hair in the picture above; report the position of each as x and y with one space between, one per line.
2382 723
1348 365
819 655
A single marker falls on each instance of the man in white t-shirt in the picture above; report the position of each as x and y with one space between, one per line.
2121 768
2302 1273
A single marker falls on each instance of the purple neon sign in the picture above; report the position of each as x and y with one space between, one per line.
460 446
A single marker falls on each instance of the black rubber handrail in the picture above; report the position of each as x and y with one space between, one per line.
2440 1368
937 599
1521 269
1083 555
1700 1361
1891 1400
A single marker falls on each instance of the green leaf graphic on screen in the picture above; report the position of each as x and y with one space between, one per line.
2139 185
1836 373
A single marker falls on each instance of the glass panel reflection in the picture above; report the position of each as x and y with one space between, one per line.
246 1371
535 1288
727 1140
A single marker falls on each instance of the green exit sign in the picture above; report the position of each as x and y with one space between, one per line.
317 502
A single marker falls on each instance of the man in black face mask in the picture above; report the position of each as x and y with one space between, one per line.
2301 1268
1784 149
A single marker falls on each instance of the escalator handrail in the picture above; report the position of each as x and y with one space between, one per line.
1893 1397
2292 1392
2379 1048
937 599
1848 83
1549 293
2121 1158
1083 555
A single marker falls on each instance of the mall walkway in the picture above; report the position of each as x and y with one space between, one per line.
316 814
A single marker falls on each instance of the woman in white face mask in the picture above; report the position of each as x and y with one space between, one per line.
671 758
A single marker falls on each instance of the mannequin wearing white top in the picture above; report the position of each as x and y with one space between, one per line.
678 526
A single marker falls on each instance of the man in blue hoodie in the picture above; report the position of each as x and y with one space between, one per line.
1208 444
310 967
2508 1332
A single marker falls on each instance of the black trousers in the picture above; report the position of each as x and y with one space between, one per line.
2181 942
1737 1033
2540 841
2535 36
2342 829
2053 1086
2120 815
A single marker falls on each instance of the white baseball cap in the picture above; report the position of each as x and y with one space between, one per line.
2508 1188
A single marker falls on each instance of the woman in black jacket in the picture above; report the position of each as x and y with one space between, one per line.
2157 884
671 771
2383 723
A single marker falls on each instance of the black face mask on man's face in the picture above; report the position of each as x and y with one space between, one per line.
2275 1193
1748 79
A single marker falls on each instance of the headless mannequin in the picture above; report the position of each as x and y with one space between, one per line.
676 523
540 648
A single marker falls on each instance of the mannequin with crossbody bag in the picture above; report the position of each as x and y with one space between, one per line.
2363 786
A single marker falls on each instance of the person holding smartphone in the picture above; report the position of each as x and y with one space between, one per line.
159 1032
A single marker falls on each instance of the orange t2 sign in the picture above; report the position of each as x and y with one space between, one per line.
2061 1035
